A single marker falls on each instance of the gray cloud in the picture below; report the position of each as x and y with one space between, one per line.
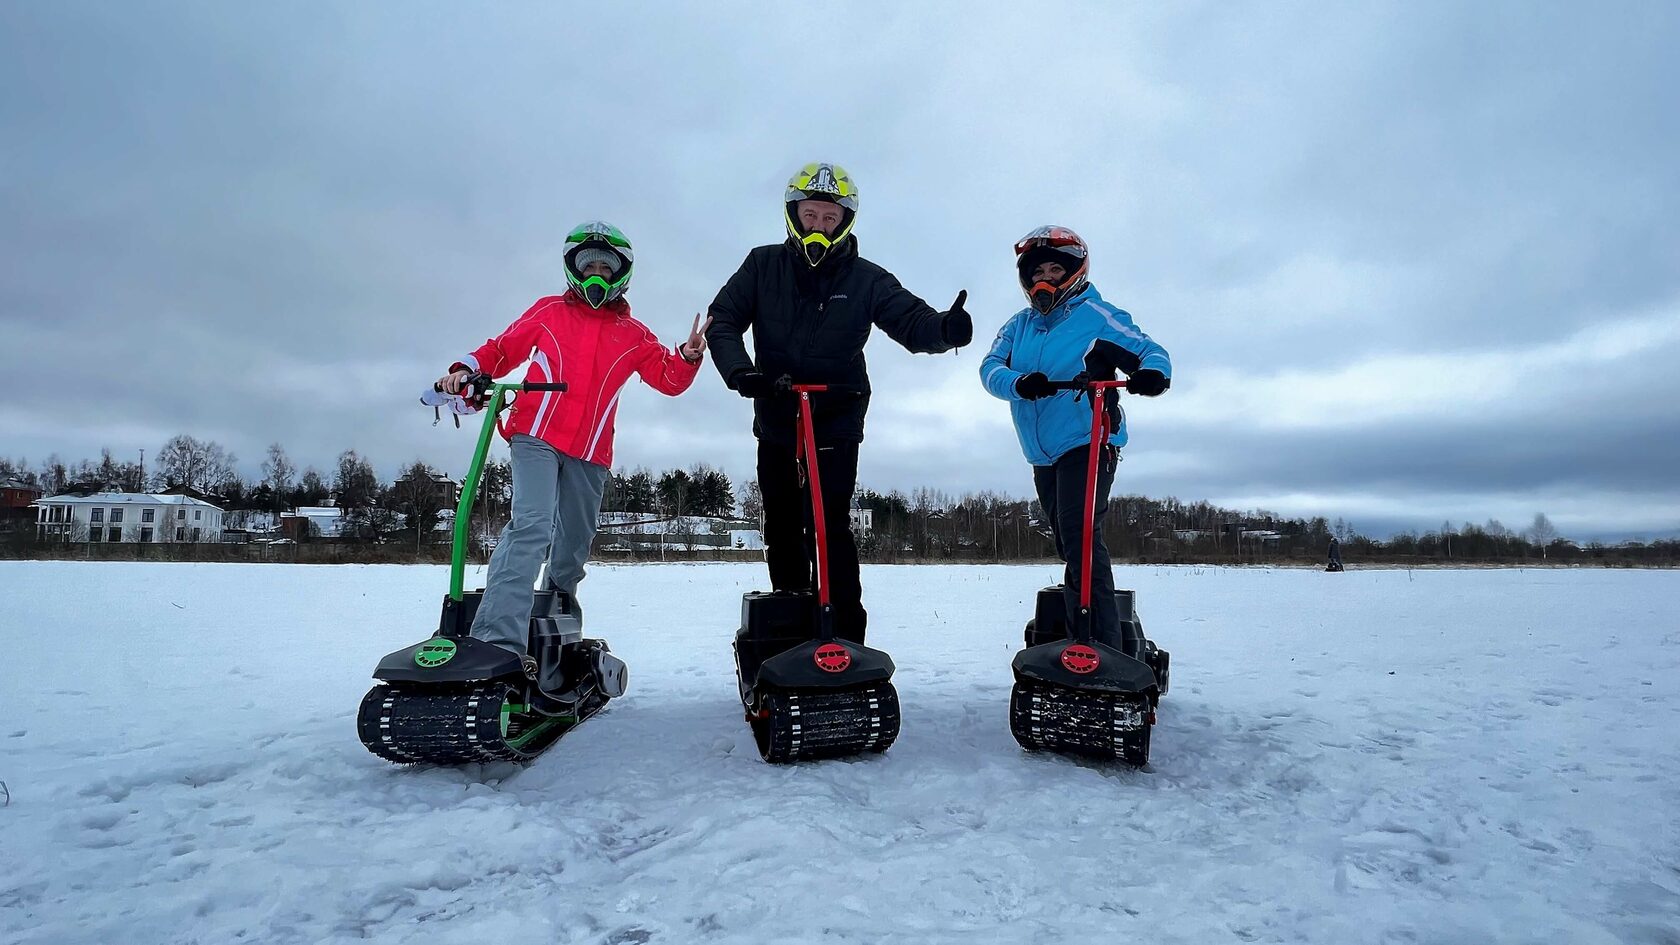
278 223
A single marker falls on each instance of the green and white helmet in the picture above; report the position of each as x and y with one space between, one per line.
597 241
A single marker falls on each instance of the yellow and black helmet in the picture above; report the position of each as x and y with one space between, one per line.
828 182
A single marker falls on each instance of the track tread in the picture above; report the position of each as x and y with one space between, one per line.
438 725
809 725
1045 717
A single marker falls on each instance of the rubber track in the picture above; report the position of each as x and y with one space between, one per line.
808 725
1075 722
452 726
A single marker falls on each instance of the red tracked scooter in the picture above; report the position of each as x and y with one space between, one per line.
1073 694
807 693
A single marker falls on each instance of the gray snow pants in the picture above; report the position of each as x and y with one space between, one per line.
556 507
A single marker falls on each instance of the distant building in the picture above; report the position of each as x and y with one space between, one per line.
312 521
445 491
862 519
17 500
107 517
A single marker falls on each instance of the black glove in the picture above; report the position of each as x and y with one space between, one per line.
1148 382
958 328
1033 386
753 385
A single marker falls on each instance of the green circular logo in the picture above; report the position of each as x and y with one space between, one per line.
435 652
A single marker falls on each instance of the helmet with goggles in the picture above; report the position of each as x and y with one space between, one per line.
590 248
826 183
1061 247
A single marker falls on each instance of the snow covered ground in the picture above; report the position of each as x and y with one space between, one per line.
1377 756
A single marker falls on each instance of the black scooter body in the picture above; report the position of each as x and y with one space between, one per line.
1049 628
778 645
452 698
806 697
464 660
1091 666
1084 697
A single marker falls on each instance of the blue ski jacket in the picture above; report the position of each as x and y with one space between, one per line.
1055 343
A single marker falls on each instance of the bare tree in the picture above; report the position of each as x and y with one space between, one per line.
54 475
1542 533
312 489
419 497
278 471
752 502
197 464
356 483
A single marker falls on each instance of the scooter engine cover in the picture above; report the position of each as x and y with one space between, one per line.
448 660
1084 666
826 664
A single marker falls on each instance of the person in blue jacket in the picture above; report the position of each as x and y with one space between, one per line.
1067 330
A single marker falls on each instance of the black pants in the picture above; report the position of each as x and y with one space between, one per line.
789 533
1061 491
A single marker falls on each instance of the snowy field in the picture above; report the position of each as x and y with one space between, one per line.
1378 756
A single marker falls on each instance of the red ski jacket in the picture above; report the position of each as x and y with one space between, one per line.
594 352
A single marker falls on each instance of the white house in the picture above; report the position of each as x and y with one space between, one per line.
127 516
863 520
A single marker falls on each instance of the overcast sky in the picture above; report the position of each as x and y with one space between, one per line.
1413 262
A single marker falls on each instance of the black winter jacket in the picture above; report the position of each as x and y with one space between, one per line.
811 324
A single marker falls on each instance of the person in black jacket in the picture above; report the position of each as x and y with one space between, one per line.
810 302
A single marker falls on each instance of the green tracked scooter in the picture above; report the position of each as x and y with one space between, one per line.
451 699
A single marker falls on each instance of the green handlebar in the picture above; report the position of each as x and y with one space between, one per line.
469 488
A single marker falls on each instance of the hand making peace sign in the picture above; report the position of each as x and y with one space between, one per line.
695 346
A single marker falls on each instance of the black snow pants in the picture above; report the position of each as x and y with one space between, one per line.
789 532
1061 492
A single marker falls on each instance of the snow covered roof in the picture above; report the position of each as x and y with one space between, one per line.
125 498
315 511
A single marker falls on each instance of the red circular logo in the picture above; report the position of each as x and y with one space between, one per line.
833 658
1080 659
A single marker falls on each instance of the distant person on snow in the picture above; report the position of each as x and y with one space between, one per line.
1068 330
562 442
1335 555
810 302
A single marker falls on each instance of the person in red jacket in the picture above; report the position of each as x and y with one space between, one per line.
562 442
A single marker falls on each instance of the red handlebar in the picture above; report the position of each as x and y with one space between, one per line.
1072 384
825 388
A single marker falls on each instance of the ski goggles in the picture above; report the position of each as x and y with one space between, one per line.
1059 238
794 195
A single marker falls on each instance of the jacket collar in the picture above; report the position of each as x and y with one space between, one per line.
816 282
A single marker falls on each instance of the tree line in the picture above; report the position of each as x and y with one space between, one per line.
915 525
408 507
